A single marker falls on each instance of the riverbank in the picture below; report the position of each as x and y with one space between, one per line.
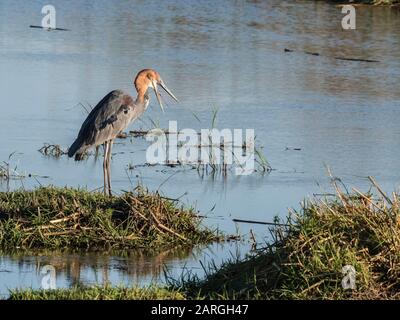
64 218
311 256
99 293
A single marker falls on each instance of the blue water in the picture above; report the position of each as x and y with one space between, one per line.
226 55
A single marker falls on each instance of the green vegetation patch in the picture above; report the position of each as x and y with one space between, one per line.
63 218
306 258
98 293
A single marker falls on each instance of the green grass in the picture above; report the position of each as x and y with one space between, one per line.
306 258
63 218
98 293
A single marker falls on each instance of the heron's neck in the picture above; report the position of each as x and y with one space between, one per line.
140 101
141 92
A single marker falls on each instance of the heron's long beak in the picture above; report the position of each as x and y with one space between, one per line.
158 95
162 85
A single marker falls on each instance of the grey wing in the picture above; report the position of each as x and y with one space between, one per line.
110 116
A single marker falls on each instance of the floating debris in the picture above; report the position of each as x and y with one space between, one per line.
53 150
333 57
292 148
122 135
261 222
48 29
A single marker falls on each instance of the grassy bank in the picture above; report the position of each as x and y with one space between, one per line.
60 218
306 259
98 293
307 254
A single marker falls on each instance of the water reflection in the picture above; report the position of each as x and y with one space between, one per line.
23 269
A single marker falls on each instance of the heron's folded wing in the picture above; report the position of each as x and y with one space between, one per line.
106 118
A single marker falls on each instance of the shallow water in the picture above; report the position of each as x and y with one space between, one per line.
21 270
227 55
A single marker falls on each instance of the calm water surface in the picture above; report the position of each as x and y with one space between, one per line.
228 55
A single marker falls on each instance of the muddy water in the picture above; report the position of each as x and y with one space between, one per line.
307 111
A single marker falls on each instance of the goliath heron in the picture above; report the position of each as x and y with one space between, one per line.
112 115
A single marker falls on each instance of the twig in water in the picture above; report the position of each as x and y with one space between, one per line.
337 58
48 29
261 222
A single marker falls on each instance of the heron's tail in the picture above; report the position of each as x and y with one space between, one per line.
76 150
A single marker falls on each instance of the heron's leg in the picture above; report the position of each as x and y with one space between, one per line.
105 167
110 143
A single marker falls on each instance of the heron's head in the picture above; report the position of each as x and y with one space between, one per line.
149 78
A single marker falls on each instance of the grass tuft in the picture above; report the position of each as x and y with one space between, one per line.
63 218
306 258
98 293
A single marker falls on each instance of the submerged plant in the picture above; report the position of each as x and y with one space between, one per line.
216 166
9 172
53 150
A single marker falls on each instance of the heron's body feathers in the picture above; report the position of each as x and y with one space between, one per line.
111 115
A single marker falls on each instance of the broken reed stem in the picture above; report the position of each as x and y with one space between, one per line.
380 190
337 189
60 233
160 225
366 198
71 217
